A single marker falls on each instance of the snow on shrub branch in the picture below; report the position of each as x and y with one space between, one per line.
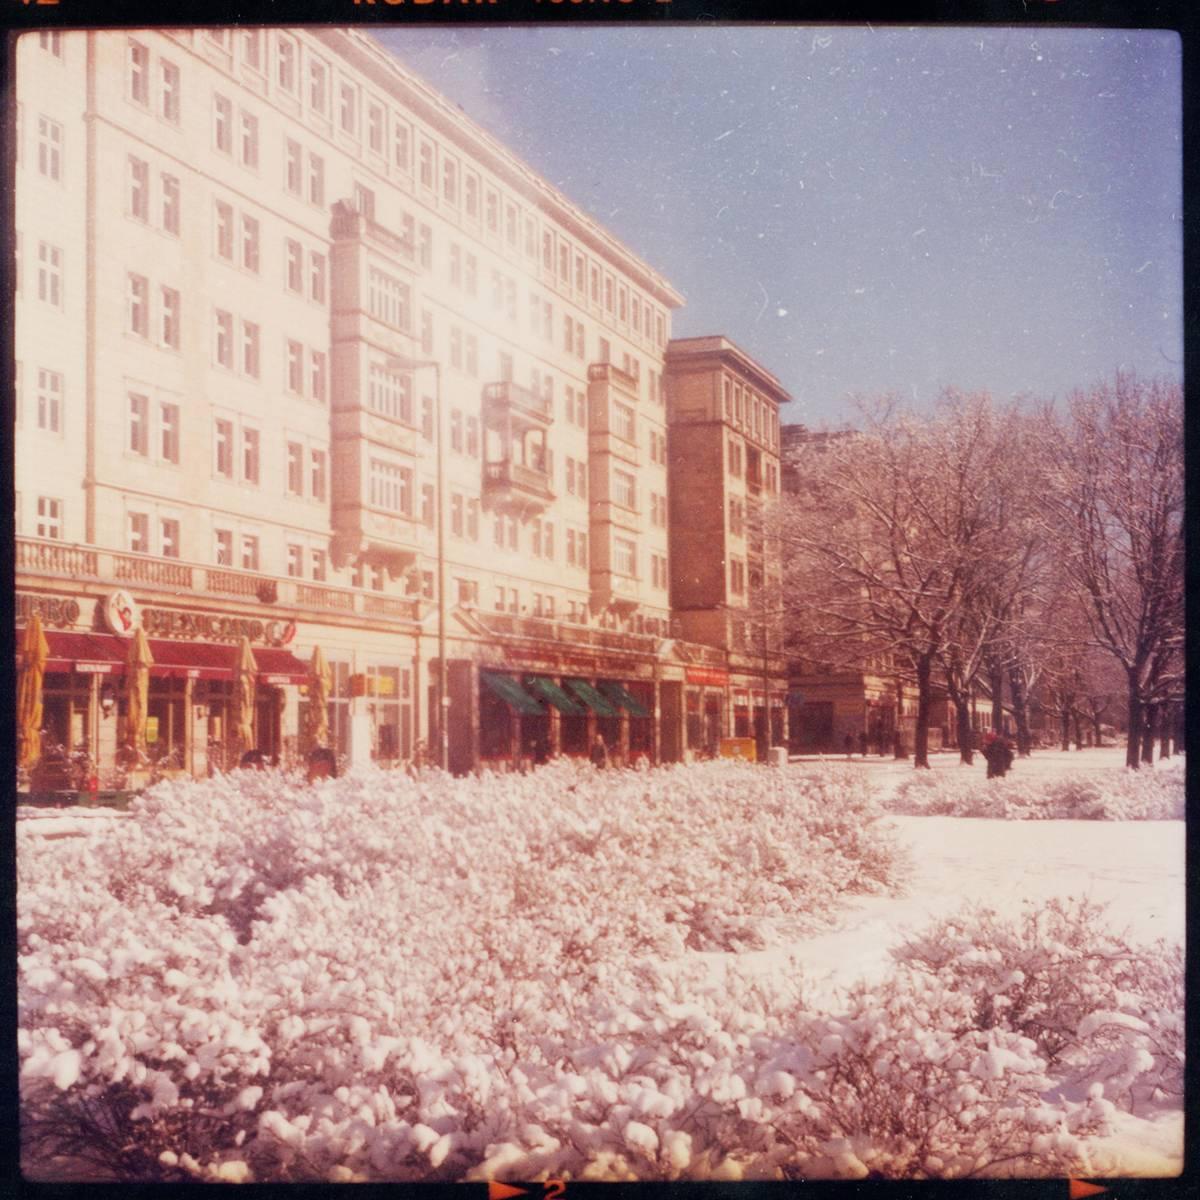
381 978
1109 796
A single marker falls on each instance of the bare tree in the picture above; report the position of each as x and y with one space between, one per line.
1114 507
884 541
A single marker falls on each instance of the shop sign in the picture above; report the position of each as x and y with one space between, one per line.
53 610
736 747
280 633
120 613
169 623
86 668
712 676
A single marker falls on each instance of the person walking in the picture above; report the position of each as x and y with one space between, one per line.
598 753
862 743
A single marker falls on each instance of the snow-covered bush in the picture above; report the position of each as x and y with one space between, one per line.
1117 795
1096 1007
251 927
383 978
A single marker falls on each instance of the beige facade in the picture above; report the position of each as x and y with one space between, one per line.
303 351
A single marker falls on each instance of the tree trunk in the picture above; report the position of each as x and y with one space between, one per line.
996 680
898 749
1149 720
924 698
962 722
1078 730
1016 689
1096 728
1065 726
1133 739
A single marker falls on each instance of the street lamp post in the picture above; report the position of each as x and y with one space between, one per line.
407 364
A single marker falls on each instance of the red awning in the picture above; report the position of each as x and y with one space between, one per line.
105 654
88 653
279 666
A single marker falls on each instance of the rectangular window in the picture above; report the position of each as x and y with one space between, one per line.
347 107
427 418
427 505
223 448
49 517
389 393
170 318
456 347
249 243
471 196
426 332
471 362
493 212
50 135
317 86
624 422
168 537
449 181
316 277
295 561
473 436
457 512
249 140
319 376
250 455
223 350
139 424
251 358
624 489
223 547
456 430
390 487
249 552
293 167
224 230
624 556
375 128
295 368
316 180
286 63
170 204
470 275
388 299
401 153
425 247
139 189
295 468
294 265
49 400
168 432
364 201
138 532
50 274
223 124
318 565
138 295
139 73
319 471
252 48
425 165
510 225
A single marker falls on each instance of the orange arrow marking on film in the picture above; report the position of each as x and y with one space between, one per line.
502 1191
1078 1189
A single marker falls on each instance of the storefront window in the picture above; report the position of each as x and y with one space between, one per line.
391 713
165 717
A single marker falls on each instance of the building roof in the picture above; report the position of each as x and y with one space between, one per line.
720 348
476 141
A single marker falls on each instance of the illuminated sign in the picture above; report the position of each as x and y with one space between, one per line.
120 613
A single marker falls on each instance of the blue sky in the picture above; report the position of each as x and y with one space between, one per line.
865 210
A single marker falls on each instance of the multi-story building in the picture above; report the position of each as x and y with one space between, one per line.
724 457
306 356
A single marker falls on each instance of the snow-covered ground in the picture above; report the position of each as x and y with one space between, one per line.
690 900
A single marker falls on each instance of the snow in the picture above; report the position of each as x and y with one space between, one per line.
684 973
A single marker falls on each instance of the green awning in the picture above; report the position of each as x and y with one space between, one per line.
511 692
599 704
555 695
618 695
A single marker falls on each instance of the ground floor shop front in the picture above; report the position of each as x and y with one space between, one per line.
512 700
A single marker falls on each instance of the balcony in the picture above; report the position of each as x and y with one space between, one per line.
348 224
506 400
608 373
512 483
611 590
61 560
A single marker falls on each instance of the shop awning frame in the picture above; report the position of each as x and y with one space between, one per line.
551 692
512 693
618 695
600 704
